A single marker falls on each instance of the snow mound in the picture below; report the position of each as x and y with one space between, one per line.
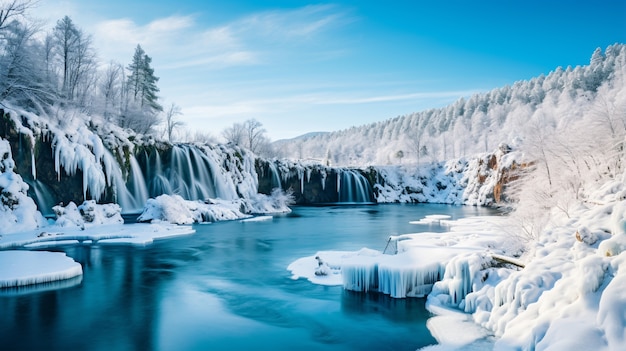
34 267
174 209
17 211
88 214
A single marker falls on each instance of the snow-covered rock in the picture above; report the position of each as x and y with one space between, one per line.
17 211
89 213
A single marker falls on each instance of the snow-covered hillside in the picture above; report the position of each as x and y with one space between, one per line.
480 180
511 114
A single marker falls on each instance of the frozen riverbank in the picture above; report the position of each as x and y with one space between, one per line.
568 293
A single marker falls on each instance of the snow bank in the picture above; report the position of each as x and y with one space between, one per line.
33 267
431 183
570 293
174 209
17 211
137 234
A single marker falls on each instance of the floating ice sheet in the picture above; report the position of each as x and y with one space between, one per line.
33 267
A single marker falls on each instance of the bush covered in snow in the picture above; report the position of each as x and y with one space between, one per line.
87 214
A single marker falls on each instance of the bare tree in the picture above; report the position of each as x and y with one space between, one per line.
415 144
74 50
234 134
14 10
171 122
255 135
250 135
111 88
539 144
21 78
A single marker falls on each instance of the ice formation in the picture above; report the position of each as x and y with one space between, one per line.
567 293
17 211
35 267
421 260
176 210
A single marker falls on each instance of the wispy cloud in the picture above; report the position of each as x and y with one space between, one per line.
249 107
299 23
182 41
398 97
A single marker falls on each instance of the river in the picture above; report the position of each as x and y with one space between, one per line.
226 287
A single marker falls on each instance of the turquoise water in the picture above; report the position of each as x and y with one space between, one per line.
226 288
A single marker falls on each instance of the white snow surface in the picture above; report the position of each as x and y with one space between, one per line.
466 180
174 209
33 267
17 210
88 214
571 293
420 260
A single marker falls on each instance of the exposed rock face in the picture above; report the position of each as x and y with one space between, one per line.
310 183
63 187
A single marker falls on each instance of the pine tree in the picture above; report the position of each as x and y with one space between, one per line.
141 108
142 81
135 69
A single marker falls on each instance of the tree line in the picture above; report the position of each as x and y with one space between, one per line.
48 72
52 72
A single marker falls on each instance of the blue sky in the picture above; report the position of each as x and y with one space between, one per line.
299 66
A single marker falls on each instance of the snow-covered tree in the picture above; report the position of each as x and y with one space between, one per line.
21 77
142 81
249 134
111 85
13 10
76 58
141 110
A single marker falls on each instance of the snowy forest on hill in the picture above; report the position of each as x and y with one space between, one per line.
559 105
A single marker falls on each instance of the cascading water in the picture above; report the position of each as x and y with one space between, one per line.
188 172
41 195
275 177
353 187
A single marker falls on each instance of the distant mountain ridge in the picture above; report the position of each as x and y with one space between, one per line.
300 137
477 124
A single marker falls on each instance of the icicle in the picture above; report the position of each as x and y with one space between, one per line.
32 161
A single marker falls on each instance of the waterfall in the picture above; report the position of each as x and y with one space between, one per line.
353 187
131 195
42 196
275 178
188 172
137 183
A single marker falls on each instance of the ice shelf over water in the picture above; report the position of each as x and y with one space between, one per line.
421 260
33 267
